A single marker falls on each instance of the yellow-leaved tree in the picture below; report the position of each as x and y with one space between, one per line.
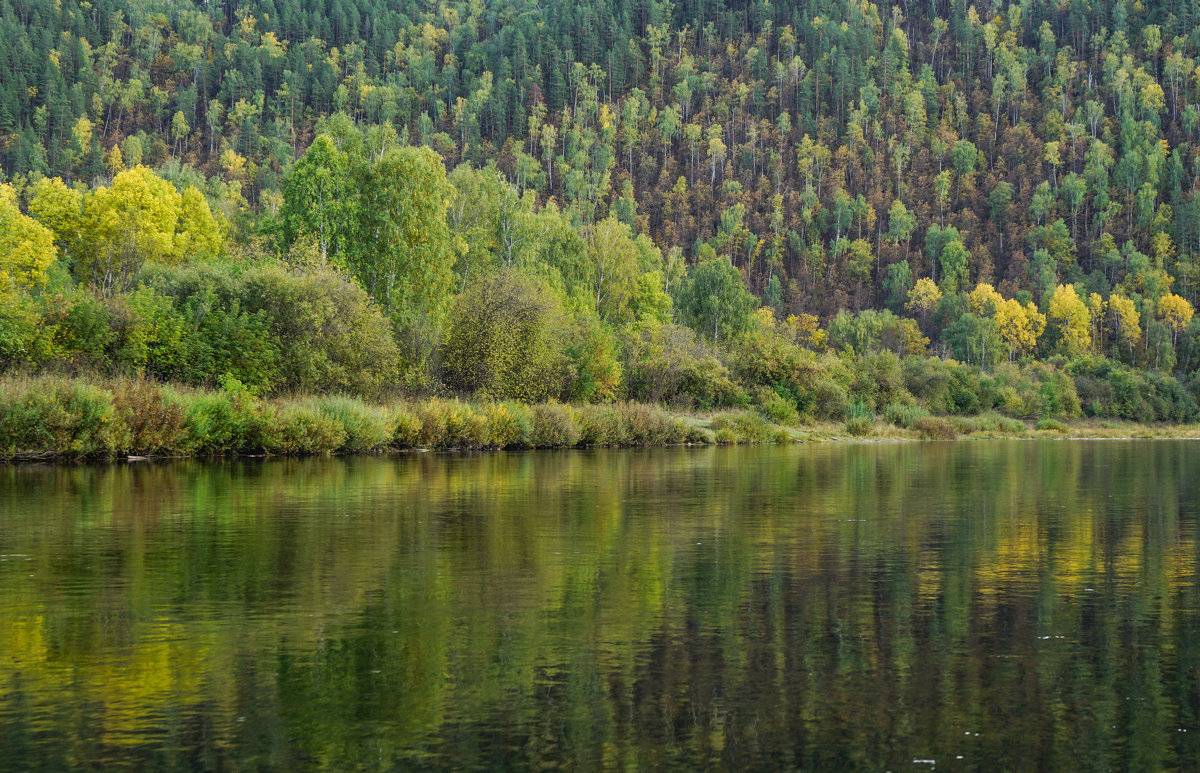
1176 312
125 224
806 331
112 231
59 208
1125 321
1020 326
199 232
1071 320
26 246
923 296
984 300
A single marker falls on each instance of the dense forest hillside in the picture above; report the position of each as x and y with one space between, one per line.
603 184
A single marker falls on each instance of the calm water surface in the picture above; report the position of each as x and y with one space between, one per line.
985 605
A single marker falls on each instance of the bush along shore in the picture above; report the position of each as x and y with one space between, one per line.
50 417
59 418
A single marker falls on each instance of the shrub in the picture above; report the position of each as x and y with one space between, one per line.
927 379
935 428
830 400
601 425
406 427
553 427
54 416
859 426
994 422
272 327
366 427
592 373
726 436
501 339
904 416
152 424
741 427
775 408
860 410
451 424
670 363
509 425
331 335
303 428
647 425
219 422
1053 425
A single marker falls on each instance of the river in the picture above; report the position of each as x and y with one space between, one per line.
980 605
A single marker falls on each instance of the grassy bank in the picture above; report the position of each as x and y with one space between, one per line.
64 418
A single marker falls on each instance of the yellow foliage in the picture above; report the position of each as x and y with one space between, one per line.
114 161
26 246
1125 321
59 208
1071 319
984 300
111 232
924 295
138 213
1175 311
200 233
911 338
82 131
807 332
1020 326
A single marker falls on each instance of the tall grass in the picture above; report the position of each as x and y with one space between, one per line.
53 417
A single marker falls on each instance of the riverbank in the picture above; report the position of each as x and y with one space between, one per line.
56 418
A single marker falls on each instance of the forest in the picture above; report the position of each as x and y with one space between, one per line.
829 210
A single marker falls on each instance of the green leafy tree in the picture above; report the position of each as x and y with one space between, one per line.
714 300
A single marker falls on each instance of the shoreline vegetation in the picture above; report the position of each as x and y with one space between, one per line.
777 220
52 418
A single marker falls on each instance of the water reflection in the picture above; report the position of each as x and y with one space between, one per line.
988 605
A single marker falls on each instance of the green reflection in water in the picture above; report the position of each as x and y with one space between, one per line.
990 605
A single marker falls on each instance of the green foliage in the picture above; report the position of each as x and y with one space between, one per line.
648 426
1108 388
330 335
860 419
302 427
221 423
593 372
1054 425
904 416
670 363
408 426
714 300
774 407
143 147
280 330
379 215
859 427
736 427
510 425
503 342
451 424
56 417
364 427
602 425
